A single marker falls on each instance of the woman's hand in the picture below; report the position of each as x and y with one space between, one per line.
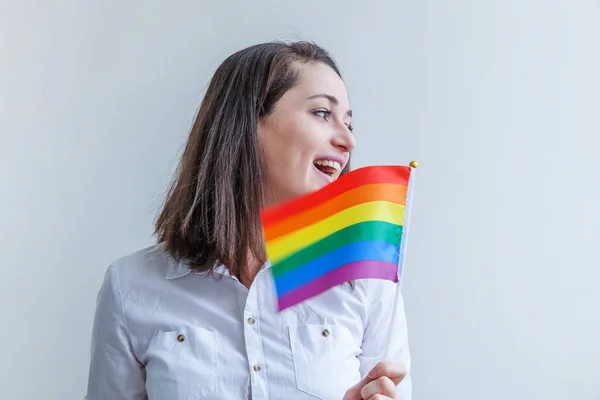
379 384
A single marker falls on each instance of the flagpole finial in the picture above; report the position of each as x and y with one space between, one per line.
414 164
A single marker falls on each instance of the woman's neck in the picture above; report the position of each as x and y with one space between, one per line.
252 268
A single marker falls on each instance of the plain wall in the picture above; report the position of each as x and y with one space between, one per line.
499 101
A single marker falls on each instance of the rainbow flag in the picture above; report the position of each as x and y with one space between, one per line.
350 229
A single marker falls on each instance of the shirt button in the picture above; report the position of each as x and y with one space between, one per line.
256 367
325 333
180 338
251 321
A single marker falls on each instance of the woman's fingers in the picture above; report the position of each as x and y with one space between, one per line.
379 383
395 371
380 397
354 392
380 386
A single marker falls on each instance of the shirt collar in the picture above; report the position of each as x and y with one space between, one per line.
177 269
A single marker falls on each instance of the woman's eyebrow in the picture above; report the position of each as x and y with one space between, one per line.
331 98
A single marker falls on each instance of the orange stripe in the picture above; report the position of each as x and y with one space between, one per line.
359 177
390 192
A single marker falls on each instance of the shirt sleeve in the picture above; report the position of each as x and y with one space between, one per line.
115 373
380 302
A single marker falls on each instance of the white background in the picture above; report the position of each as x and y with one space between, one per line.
499 101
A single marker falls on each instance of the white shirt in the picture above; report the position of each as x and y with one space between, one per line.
164 333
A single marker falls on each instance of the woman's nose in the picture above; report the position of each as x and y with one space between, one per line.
344 140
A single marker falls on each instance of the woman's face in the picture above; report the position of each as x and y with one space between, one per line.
306 140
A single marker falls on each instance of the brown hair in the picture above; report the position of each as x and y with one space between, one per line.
212 211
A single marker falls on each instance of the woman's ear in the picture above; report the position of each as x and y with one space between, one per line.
262 125
262 129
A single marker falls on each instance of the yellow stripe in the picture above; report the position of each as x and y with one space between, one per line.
284 246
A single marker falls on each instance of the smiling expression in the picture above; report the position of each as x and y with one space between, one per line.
306 140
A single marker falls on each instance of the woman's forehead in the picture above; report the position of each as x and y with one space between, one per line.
318 78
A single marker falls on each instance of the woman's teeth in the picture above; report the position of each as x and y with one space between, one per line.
328 163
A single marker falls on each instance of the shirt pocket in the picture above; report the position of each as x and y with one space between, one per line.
325 360
182 364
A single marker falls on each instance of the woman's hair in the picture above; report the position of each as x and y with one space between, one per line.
212 211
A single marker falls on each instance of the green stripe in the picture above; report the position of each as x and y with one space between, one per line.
363 231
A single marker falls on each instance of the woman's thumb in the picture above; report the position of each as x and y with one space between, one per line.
354 392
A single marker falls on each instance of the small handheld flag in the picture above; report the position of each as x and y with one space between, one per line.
353 228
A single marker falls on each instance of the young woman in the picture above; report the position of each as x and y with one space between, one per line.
194 317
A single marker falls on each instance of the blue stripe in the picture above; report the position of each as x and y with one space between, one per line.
359 251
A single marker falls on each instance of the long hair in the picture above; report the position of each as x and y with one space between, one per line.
211 213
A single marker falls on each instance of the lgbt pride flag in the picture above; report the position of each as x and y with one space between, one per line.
350 229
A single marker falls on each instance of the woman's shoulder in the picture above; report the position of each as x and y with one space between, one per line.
373 287
146 264
376 293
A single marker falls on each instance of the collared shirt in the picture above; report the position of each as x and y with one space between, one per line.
164 333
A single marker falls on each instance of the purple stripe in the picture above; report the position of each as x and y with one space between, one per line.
345 273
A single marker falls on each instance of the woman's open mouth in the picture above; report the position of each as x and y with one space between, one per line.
329 168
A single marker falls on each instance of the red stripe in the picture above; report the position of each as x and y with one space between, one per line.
362 176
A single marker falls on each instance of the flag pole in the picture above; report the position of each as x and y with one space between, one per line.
402 258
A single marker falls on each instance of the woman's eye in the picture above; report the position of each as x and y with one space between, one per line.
322 113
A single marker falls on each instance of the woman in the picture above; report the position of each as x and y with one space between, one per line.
194 317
